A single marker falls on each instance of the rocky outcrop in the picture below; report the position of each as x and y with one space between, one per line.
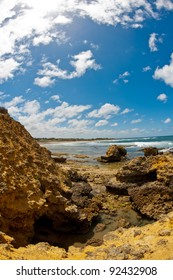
34 191
149 183
150 242
150 151
113 154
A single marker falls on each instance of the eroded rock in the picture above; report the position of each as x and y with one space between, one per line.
114 153
149 183
33 186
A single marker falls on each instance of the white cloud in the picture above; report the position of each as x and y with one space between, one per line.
168 120
153 41
146 69
56 98
105 111
31 107
126 111
115 124
81 63
136 121
162 97
165 73
78 123
15 101
36 22
69 111
125 74
101 123
122 77
167 4
7 69
44 81
127 12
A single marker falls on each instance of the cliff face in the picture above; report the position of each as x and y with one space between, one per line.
34 192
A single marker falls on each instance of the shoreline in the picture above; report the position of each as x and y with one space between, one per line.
65 140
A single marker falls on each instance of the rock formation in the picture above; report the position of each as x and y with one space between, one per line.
34 191
150 151
113 154
149 182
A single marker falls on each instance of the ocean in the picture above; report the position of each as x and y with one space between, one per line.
96 148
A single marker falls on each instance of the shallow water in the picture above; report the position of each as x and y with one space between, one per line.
94 149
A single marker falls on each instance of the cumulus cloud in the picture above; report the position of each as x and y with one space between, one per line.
162 97
81 63
101 123
36 22
56 98
44 81
153 41
106 111
166 4
7 69
78 123
31 107
127 12
165 73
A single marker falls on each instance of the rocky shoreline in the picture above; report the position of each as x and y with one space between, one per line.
52 209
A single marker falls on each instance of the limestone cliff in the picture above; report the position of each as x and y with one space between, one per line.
34 191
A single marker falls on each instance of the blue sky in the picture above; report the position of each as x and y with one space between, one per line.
78 68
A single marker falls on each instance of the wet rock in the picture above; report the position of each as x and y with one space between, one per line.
99 227
94 242
59 159
81 191
118 188
113 154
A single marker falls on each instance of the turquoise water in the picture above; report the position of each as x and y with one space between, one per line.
94 149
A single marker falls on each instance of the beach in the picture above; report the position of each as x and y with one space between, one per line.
88 150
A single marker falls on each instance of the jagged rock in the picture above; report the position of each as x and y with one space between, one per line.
81 191
33 187
138 170
149 183
113 154
3 110
150 151
152 199
59 159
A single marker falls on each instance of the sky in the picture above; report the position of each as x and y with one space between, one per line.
88 68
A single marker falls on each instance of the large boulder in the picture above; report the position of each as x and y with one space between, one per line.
113 154
149 183
34 190
150 151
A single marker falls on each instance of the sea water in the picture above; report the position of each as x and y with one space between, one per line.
96 148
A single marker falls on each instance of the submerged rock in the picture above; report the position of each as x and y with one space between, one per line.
34 188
